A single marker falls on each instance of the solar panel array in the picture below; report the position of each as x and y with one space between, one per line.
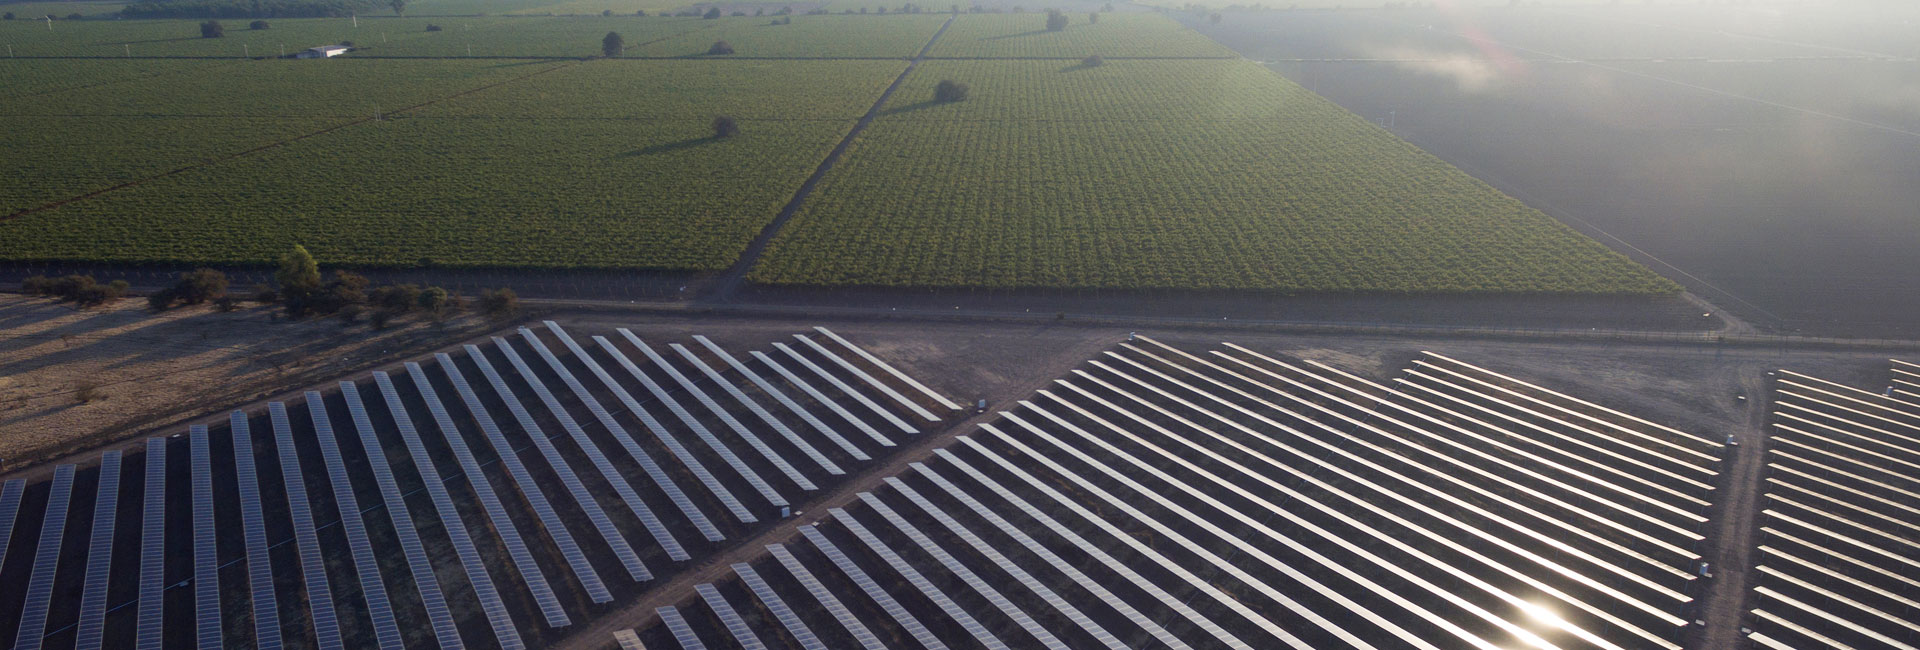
742 404
1839 551
1160 498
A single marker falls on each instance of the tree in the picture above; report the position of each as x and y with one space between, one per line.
298 272
212 29
1107 7
9 15
199 285
1093 61
1056 20
257 25
613 45
399 6
435 300
1215 19
724 126
712 13
949 91
720 47
1093 18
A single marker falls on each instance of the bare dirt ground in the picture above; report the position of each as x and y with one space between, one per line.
147 369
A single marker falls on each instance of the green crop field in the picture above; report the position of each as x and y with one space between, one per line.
809 36
598 164
1117 34
1119 179
507 141
36 10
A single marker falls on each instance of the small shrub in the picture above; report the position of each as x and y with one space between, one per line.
9 16
200 285
75 16
264 294
712 13
161 300
499 303
85 392
350 314
257 25
949 91
212 29
398 298
433 300
641 13
37 285
380 319
226 304
1093 18
720 47
738 14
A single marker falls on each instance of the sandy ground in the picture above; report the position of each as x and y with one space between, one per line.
150 369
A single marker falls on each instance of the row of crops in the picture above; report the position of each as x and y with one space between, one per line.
1146 174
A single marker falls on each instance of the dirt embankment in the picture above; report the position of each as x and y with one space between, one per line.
71 379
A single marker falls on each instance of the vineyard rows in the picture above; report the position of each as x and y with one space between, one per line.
1117 34
1069 184
809 36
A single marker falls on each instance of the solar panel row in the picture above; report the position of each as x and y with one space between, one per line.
153 547
1839 551
313 567
826 598
253 523
10 495
206 561
517 552
942 400
529 489
736 626
718 412
469 556
439 616
93 597
860 579
46 562
781 612
581 496
681 631
619 433
758 411
386 628
781 397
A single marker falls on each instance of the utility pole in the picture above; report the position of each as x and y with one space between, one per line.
244 52
123 46
1389 120
356 21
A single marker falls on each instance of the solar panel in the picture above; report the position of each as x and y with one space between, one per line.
619 433
1655 635
435 601
1049 558
628 640
9 508
386 630
588 504
605 465
681 631
659 432
933 593
470 560
517 552
758 411
795 407
1020 575
660 394
1337 567
93 599
153 549
253 522
46 562
742 633
1230 568
823 399
863 376
326 624
556 529
714 408
890 369
827 599
773 602
1552 540
1143 550
206 560
965 574
845 389
860 579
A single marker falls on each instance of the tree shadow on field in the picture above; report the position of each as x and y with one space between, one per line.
667 147
909 108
